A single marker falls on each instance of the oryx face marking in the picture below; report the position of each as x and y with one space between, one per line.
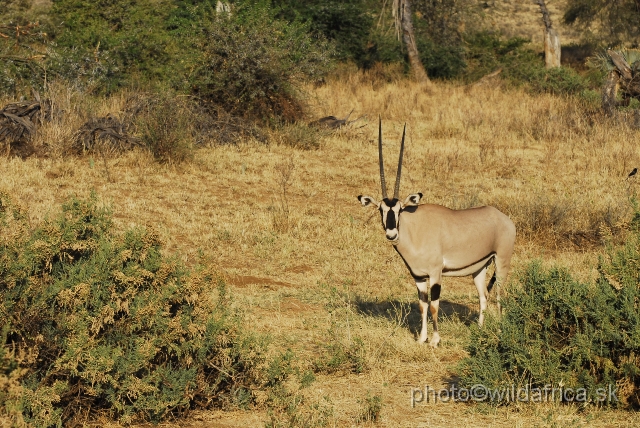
390 212
435 241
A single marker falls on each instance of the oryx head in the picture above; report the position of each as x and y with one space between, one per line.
390 209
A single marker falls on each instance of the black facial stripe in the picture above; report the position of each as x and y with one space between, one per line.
391 220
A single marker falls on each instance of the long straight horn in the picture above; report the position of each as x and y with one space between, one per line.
396 191
382 182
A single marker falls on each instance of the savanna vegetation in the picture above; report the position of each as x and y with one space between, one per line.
179 246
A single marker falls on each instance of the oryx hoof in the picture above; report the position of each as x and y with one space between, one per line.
435 339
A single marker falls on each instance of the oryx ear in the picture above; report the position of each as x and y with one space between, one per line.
412 200
368 200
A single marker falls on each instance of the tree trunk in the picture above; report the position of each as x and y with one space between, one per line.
552 48
609 91
409 39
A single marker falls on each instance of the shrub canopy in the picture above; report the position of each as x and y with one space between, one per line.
103 321
559 332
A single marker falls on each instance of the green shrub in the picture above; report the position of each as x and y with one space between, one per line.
251 63
129 40
22 58
487 52
442 61
103 321
371 408
558 332
339 357
286 405
347 24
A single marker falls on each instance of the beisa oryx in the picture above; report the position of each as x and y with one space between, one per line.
435 241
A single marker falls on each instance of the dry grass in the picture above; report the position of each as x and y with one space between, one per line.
326 274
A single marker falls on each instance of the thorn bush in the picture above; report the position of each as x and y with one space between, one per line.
100 323
559 332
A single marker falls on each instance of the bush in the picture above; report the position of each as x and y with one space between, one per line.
167 126
488 52
340 357
442 61
347 24
252 62
559 332
130 39
99 323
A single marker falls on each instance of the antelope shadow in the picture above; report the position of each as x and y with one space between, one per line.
409 313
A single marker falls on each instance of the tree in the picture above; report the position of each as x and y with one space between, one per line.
402 13
552 48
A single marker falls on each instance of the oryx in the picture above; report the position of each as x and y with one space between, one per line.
435 241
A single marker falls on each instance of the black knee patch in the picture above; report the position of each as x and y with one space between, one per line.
491 283
424 297
435 292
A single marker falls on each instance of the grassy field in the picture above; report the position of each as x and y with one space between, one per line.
310 267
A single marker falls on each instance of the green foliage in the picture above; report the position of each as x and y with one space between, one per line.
251 63
136 37
287 406
248 62
604 63
383 47
22 54
562 332
440 42
442 61
371 408
339 357
488 52
347 24
95 320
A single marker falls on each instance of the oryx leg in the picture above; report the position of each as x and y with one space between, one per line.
434 282
479 279
503 265
423 301
426 307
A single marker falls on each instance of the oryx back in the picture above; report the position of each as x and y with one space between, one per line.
455 242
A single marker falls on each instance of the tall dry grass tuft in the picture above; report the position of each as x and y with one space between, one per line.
281 215
166 129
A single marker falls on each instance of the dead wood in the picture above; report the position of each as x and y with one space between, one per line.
623 78
19 123
552 49
332 122
489 79
620 63
211 124
104 134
